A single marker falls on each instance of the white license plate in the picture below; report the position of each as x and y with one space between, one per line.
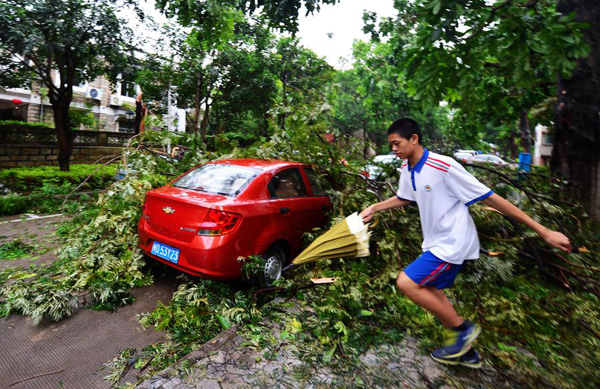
165 252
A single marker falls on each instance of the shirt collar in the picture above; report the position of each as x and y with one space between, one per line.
421 162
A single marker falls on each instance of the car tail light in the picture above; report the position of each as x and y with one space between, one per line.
365 173
219 223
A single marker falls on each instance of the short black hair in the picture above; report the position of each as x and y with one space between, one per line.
406 128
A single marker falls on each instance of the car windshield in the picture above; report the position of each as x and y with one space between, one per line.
226 180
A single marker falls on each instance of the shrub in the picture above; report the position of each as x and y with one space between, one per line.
30 179
17 124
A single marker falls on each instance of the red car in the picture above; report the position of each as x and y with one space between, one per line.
206 219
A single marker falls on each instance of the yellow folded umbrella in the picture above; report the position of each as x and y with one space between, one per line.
349 238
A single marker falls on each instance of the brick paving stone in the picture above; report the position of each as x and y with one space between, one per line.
208 384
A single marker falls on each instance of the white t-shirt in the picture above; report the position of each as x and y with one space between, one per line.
443 190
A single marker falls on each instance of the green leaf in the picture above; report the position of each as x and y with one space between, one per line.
505 347
295 326
328 355
225 323
139 363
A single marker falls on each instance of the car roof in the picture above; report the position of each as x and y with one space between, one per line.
262 164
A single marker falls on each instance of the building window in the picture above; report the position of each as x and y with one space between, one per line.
128 88
127 126
546 138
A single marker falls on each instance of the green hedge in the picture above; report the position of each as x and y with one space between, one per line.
14 205
10 124
29 179
48 198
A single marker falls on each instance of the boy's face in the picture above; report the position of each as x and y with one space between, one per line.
402 147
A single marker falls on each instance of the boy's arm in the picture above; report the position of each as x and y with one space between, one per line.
392 202
554 238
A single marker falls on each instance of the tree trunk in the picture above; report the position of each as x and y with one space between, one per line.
266 117
204 125
283 115
576 153
197 104
512 144
525 133
64 133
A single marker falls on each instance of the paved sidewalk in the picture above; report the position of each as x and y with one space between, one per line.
32 229
70 353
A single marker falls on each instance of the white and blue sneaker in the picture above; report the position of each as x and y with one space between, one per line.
459 341
469 359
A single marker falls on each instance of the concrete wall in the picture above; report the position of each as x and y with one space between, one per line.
31 155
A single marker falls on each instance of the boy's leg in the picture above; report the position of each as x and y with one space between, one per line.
423 282
432 299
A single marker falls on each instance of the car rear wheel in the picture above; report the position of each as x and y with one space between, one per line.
275 259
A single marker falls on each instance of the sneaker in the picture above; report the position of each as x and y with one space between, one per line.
459 342
469 359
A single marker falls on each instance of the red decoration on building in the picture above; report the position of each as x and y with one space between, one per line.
17 101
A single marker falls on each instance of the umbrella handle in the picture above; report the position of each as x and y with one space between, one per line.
375 223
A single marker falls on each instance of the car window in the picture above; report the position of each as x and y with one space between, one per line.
287 183
226 180
312 178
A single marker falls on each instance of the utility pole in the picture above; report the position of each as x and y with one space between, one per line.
169 108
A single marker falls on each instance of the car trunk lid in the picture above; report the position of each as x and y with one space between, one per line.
177 213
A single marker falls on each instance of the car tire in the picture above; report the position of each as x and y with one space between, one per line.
275 260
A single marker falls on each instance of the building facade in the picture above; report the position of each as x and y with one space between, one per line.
543 146
112 106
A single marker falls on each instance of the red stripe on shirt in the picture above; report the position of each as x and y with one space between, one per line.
442 162
438 168
431 274
437 164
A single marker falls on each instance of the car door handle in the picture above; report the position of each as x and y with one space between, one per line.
284 210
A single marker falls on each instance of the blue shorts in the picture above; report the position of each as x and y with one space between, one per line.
429 270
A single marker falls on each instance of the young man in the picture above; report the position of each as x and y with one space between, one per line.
443 191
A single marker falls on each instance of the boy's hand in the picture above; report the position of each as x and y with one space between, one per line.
367 214
558 240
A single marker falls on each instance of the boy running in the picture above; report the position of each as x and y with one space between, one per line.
443 191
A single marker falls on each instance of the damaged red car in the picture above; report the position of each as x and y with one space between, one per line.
205 220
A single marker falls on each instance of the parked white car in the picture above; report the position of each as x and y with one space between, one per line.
463 155
375 170
488 158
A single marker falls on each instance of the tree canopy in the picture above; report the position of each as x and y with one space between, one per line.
76 38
